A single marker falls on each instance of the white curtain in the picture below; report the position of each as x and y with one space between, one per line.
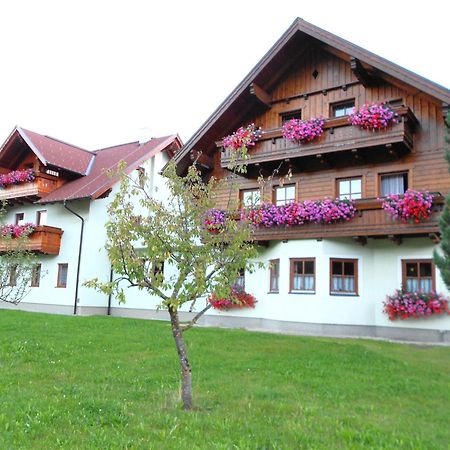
303 283
343 284
392 184
413 285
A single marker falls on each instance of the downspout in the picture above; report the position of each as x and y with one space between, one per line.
79 256
111 275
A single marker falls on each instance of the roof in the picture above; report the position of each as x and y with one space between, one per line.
301 32
97 181
51 151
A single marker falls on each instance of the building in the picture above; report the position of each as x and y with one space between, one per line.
332 279
67 198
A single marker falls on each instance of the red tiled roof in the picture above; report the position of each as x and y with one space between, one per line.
57 153
96 182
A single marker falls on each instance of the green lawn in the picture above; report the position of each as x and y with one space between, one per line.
101 382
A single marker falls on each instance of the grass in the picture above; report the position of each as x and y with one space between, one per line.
102 382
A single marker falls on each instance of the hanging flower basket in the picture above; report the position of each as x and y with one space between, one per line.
375 116
16 231
412 206
17 177
302 131
403 305
238 299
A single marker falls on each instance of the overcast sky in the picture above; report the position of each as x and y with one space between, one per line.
95 73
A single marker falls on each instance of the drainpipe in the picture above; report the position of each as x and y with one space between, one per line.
79 256
111 275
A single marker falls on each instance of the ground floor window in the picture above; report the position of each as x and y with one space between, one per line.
62 275
240 279
344 276
418 275
36 276
302 275
274 275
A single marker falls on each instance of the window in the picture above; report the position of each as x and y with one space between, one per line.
302 275
62 275
393 183
13 276
344 276
284 194
141 176
274 275
41 217
418 275
350 188
20 219
36 276
240 279
342 109
285 117
250 197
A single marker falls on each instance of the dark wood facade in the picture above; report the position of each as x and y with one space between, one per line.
306 72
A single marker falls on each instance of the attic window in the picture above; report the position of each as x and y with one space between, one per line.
52 172
141 176
342 109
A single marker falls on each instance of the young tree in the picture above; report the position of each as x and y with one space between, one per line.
144 234
16 265
442 260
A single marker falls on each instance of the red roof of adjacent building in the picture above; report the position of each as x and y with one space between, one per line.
97 182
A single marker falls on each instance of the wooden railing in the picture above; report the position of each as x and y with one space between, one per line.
30 191
44 239
370 221
339 135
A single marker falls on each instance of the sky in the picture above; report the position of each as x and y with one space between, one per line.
97 73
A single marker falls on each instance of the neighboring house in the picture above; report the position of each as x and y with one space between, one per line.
332 279
68 202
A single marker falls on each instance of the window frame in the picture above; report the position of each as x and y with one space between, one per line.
395 172
241 276
274 263
351 178
340 104
292 261
39 215
17 220
355 262
418 262
285 116
284 186
241 197
58 279
36 280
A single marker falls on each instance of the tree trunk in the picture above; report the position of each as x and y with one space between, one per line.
186 379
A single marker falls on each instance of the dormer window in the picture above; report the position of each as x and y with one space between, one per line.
52 172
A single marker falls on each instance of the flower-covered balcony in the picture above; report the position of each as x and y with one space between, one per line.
369 220
26 186
339 137
41 239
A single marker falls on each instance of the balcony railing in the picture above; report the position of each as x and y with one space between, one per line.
370 221
29 191
339 136
44 239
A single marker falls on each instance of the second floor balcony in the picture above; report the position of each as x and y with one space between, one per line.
31 191
340 138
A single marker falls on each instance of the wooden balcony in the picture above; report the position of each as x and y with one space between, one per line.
370 221
44 240
29 192
340 143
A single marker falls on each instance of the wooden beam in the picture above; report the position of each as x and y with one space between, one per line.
202 160
435 237
361 73
397 240
261 95
361 240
